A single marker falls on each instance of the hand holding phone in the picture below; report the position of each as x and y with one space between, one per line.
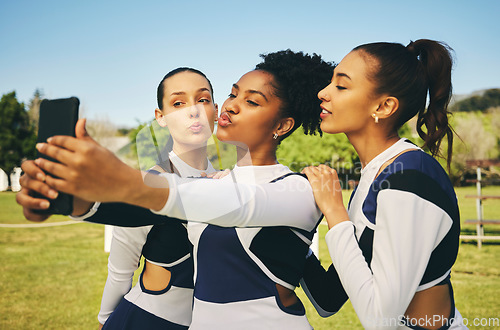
58 117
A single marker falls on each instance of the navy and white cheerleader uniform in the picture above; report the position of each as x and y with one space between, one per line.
403 237
255 235
250 231
164 244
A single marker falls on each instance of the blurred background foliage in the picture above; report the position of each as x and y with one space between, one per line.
475 118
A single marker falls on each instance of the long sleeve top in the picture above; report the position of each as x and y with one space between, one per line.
402 238
127 247
237 269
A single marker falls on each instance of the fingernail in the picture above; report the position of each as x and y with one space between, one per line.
40 176
45 204
38 161
49 139
39 146
53 194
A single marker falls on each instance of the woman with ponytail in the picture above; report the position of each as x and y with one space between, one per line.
163 295
393 248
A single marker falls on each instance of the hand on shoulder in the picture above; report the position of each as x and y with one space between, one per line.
327 193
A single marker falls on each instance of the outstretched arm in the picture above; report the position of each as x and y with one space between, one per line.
93 173
228 203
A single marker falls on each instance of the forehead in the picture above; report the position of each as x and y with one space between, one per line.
185 82
355 65
257 80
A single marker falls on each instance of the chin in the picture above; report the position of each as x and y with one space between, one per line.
332 127
228 140
325 128
221 135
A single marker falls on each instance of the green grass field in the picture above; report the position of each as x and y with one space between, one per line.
52 277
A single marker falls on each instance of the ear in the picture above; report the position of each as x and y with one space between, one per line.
160 118
285 125
387 107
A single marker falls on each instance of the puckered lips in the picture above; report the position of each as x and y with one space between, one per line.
224 119
196 127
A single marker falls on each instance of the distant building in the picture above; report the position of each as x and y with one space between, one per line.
14 180
4 181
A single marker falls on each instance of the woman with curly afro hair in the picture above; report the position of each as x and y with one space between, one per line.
251 229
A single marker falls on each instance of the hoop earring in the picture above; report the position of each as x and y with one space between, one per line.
275 136
376 118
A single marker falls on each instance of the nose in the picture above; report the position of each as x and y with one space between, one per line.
323 95
231 106
194 111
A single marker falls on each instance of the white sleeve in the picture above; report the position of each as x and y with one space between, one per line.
288 202
90 213
123 261
408 228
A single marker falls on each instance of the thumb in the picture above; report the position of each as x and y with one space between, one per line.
81 130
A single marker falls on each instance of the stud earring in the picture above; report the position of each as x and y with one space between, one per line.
275 136
376 118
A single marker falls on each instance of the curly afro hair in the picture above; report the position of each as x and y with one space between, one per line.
298 78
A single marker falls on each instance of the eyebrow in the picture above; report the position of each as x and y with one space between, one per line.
340 74
251 91
203 89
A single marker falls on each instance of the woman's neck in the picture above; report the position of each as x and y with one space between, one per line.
196 157
369 146
246 157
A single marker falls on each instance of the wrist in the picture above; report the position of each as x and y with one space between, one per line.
336 215
80 207
149 192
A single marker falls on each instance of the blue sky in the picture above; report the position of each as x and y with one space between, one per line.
113 54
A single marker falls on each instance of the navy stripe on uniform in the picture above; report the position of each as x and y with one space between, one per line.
418 173
225 272
128 316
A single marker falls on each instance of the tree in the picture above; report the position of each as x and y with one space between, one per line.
17 135
34 108
150 143
476 138
488 99
101 129
300 150
495 122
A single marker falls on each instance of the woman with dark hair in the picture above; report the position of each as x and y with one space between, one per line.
163 296
394 247
250 229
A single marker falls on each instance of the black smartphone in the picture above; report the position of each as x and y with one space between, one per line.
57 117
